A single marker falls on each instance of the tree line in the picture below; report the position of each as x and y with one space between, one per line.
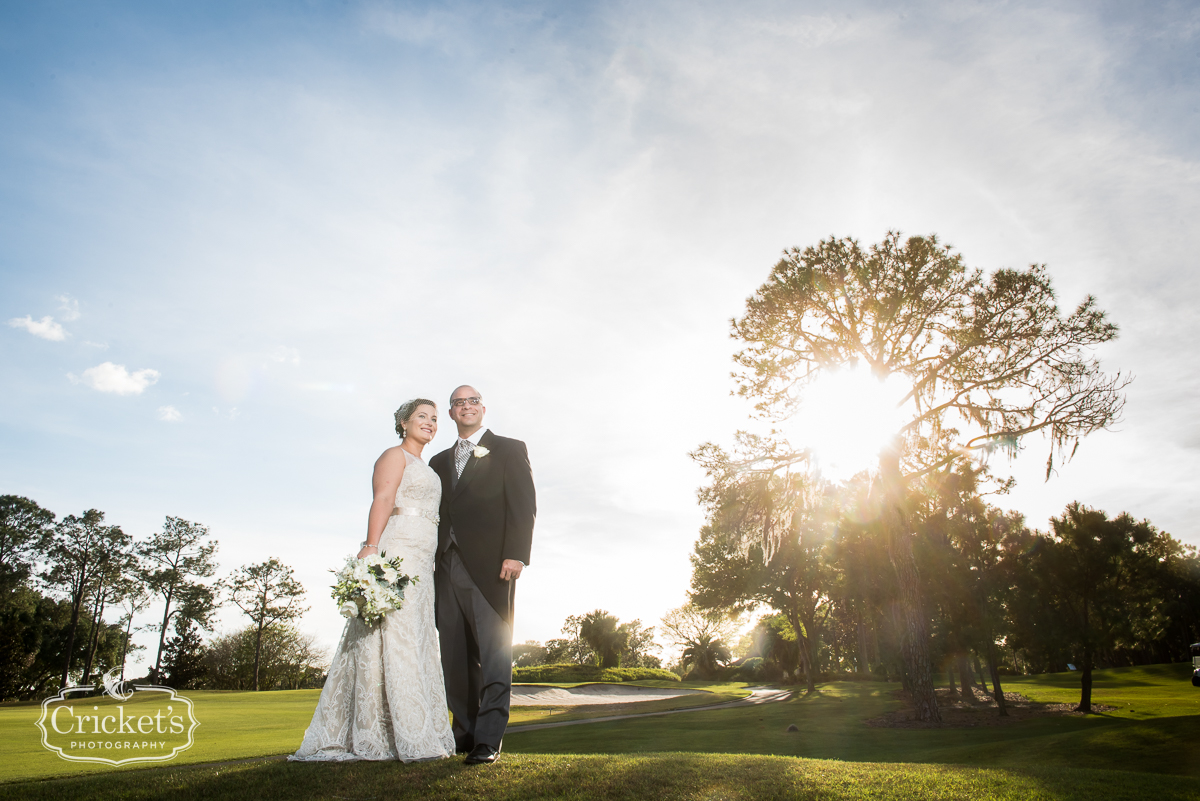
1002 598
62 580
597 638
701 637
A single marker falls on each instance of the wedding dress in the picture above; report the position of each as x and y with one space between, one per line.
384 697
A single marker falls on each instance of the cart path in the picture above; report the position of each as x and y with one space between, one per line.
759 695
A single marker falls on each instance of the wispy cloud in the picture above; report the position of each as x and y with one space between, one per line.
169 414
69 307
109 377
45 328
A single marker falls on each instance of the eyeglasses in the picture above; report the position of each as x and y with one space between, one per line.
458 403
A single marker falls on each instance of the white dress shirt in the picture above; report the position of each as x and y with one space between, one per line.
474 438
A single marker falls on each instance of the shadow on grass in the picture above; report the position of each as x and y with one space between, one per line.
1160 745
663 777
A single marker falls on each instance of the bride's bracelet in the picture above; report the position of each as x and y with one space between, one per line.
369 545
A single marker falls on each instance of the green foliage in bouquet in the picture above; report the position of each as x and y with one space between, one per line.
370 587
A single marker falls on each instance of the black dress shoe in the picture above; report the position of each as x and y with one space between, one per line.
482 754
463 748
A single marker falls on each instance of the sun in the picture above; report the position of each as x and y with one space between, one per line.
846 417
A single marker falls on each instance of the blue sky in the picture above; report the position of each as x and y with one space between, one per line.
278 221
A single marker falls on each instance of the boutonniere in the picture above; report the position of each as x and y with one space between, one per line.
480 451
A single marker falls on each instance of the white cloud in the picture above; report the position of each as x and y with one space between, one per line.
169 414
109 377
69 307
45 328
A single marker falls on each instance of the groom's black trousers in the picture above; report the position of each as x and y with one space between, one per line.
476 656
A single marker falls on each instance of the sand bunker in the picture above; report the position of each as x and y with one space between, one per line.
537 695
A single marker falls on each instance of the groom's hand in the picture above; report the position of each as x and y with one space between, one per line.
510 569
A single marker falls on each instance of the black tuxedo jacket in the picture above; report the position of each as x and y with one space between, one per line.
491 509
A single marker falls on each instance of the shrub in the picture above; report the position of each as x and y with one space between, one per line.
567 673
751 669
290 660
637 674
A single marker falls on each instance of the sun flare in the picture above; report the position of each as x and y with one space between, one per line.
846 418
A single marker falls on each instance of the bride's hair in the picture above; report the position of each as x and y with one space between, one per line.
405 412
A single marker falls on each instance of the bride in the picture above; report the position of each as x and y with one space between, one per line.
384 697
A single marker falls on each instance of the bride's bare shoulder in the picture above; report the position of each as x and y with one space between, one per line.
391 460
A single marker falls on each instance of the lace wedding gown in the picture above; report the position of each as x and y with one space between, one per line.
384 697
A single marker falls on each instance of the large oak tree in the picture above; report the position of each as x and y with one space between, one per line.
987 359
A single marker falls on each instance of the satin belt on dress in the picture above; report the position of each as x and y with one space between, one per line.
415 512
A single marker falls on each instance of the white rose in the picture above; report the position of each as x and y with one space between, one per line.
349 609
480 451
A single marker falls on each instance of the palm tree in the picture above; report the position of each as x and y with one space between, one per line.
702 636
705 656
607 639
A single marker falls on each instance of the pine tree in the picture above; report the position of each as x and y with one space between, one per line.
183 656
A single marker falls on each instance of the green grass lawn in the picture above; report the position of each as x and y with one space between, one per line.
1138 692
662 777
232 726
1149 746
1156 728
238 725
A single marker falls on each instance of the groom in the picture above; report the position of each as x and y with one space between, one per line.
484 537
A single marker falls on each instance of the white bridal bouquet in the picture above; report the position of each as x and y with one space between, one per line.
370 587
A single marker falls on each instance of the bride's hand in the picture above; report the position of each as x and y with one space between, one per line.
367 550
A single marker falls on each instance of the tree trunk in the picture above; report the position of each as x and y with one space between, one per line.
864 663
979 672
950 679
125 645
77 602
997 690
915 634
806 664
802 647
257 652
964 674
94 640
1085 697
896 656
162 634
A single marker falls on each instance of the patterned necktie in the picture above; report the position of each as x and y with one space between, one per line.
461 455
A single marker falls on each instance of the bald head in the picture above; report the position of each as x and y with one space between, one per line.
466 410
464 391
